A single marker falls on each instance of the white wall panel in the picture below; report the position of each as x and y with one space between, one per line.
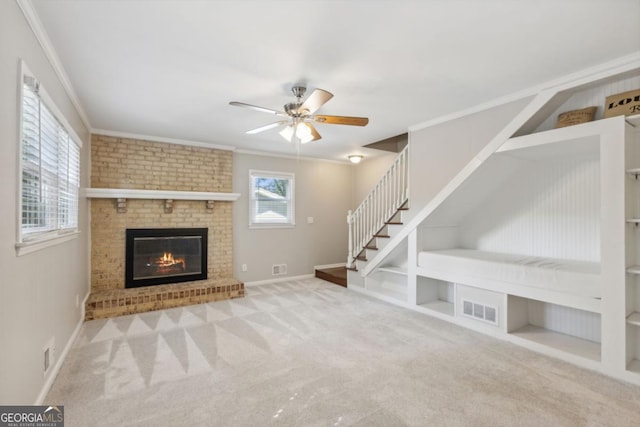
549 209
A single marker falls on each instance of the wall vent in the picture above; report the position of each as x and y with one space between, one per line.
279 269
481 312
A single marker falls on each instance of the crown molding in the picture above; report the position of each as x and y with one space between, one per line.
291 157
34 22
625 64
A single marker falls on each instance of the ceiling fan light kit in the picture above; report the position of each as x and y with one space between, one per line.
303 132
299 128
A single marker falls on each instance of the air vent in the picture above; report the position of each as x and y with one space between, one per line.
490 315
467 308
480 312
279 269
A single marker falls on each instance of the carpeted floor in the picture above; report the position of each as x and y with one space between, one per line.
309 353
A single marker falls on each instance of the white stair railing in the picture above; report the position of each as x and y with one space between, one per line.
379 206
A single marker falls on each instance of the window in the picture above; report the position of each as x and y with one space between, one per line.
50 168
272 199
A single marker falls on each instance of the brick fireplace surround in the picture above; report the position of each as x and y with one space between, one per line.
120 163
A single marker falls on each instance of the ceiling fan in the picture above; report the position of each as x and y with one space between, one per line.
300 116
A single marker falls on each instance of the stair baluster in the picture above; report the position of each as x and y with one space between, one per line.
379 207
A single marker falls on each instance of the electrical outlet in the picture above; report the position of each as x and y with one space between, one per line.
244 267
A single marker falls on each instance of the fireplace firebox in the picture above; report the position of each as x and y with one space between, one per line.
156 256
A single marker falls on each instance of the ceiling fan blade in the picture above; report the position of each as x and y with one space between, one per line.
341 120
316 100
314 132
256 108
266 127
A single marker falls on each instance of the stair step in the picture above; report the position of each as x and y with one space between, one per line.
361 258
384 236
352 268
336 275
371 248
393 223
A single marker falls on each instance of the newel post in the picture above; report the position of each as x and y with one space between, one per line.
350 254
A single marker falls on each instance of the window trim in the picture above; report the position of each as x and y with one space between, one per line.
292 200
54 237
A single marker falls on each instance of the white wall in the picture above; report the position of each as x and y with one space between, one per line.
439 152
37 291
322 190
367 173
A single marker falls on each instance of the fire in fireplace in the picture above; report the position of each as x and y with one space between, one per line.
156 256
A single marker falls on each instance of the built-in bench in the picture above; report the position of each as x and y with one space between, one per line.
572 283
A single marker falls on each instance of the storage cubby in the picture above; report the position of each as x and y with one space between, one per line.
564 328
633 347
388 283
435 295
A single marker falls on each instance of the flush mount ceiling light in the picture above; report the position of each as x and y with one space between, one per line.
356 158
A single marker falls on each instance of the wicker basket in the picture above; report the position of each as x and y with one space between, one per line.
576 117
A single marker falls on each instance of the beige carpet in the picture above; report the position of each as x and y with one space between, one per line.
307 353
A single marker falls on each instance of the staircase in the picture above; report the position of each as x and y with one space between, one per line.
374 220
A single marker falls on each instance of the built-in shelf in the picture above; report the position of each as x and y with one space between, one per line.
562 141
123 193
394 270
634 318
634 269
566 343
634 366
438 306
633 120
398 293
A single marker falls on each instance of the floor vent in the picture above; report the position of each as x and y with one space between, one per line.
279 269
481 312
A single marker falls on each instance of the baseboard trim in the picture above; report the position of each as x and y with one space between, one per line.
320 267
54 372
279 279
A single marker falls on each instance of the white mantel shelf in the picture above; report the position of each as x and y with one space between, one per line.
122 193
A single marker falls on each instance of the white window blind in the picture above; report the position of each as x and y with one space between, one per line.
50 170
272 199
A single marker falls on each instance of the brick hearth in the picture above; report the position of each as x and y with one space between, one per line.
119 302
